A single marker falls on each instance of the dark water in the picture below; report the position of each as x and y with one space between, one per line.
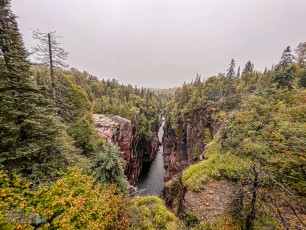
151 179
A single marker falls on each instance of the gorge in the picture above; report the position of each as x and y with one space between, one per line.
151 180
223 152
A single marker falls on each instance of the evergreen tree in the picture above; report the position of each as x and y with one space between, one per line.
108 168
238 72
231 71
286 59
197 81
301 53
249 68
303 79
31 137
284 70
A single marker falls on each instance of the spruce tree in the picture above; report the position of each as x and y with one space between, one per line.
249 68
108 167
231 71
301 53
238 72
284 70
286 59
32 140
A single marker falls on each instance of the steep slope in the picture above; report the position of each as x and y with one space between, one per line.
235 150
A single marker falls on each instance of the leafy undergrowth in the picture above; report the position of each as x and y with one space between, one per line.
151 213
218 165
74 201
271 129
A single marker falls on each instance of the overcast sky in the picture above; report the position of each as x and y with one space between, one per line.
162 43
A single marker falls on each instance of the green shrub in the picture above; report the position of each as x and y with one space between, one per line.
218 165
108 166
151 213
190 219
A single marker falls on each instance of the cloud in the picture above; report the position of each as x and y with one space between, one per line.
162 43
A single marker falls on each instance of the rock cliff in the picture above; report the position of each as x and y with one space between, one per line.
185 144
135 148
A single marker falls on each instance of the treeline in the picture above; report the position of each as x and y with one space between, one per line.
261 118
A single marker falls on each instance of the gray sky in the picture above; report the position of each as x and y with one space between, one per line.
162 43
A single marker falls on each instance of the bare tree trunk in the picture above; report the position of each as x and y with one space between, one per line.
51 69
251 217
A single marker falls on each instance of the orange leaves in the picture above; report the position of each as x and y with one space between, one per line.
278 137
72 202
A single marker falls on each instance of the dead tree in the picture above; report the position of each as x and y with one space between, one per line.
252 215
49 53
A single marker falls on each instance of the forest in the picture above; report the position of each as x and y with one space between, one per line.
240 133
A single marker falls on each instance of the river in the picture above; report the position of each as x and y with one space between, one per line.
151 179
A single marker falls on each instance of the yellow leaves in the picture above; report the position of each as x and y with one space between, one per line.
289 154
278 137
61 202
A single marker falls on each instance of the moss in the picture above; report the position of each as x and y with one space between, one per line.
266 220
218 165
151 213
173 194
179 133
207 135
213 148
196 152
190 219
169 183
198 147
225 222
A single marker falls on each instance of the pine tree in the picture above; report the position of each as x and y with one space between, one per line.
286 59
108 167
238 72
301 53
284 70
303 79
31 137
231 71
197 81
249 68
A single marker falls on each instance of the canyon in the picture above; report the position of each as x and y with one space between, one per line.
135 149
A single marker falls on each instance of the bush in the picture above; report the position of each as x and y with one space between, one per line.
74 201
218 165
151 213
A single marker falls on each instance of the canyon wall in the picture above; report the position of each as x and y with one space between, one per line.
135 148
185 144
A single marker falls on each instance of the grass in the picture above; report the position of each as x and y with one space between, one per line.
149 213
218 165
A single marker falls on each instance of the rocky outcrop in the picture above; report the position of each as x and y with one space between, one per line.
185 144
135 149
173 194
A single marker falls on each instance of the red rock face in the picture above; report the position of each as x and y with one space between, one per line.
175 151
185 145
134 148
